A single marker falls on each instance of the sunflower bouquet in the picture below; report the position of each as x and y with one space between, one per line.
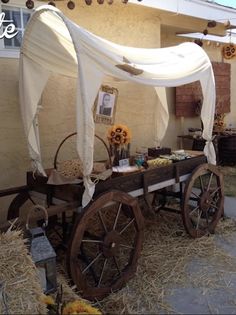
80 307
71 308
219 124
119 137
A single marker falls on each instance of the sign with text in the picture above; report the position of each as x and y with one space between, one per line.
10 30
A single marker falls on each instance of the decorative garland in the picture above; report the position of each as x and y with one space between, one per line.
70 4
229 51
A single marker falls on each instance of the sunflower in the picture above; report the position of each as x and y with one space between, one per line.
47 299
79 307
119 135
219 121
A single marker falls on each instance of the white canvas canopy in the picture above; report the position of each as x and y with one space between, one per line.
53 43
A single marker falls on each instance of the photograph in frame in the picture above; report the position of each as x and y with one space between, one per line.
105 105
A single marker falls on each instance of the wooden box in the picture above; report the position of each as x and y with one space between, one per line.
155 152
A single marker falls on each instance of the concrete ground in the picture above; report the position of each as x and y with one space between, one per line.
190 300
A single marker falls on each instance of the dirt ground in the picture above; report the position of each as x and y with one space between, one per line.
229 173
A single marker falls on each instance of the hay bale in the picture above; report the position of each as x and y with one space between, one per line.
20 284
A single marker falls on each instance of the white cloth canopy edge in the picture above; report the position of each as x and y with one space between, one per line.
92 67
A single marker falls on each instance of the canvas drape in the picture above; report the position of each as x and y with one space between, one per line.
53 43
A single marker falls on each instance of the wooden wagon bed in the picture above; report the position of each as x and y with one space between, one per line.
136 184
109 230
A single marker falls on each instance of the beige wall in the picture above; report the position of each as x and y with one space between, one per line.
213 50
124 24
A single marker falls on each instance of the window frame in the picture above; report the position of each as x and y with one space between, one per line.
12 52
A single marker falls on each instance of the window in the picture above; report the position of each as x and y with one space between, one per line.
19 17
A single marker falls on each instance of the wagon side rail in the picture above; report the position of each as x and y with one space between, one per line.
52 210
12 191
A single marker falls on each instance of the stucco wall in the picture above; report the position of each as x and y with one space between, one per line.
123 24
134 26
214 51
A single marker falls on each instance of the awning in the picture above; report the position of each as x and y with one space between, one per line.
53 43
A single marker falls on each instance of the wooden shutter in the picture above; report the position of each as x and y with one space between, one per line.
189 95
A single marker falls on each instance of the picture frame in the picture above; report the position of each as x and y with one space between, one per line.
105 105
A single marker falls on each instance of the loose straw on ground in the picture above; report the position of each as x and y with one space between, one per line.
168 252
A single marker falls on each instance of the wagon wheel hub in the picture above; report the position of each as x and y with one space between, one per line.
202 208
105 245
205 201
111 244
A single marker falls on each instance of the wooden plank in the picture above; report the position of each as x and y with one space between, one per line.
188 95
223 104
221 68
220 79
182 21
134 182
52 210
183 98
68 192
126 183
185 110
12 191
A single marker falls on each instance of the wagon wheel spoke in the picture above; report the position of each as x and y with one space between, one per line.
91 236
58 233
19 201
111 244
102 221
201 183
117 265
197 196
85 259
198 219
207 219
92 241
102 272
126 246
117 216
215 191
213 206
201 215
92 262
130 222
209 183
191 212
31 199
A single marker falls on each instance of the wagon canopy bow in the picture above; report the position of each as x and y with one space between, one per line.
53 43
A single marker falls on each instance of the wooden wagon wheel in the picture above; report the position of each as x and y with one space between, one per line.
105 245
59 227
15 205
159 199
203 200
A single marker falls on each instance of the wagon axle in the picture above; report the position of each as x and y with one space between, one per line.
111 244
106 239
205 201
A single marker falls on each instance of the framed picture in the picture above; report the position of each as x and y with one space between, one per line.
105 105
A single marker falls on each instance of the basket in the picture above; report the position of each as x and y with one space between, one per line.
72 168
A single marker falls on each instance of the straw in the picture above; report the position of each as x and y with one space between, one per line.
164 265
20 285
